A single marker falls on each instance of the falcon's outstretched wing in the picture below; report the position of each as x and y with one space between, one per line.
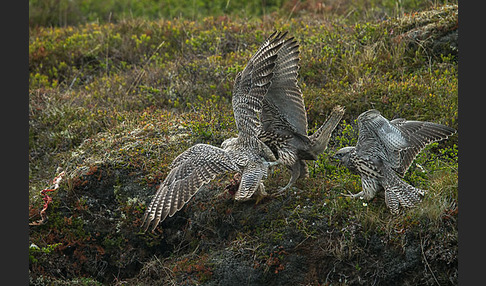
283 104
192 169
419 134
250 87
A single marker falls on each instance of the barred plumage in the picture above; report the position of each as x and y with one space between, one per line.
245 154
384 152
284 118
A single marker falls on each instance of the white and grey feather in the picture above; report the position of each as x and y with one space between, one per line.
384 152
245 154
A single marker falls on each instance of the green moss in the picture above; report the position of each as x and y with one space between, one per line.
35 251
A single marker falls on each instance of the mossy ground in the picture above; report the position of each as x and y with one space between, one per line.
113 104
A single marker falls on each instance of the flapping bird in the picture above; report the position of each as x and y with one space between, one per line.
284 117
384 152
245 154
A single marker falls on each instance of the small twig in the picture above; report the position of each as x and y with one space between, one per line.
292 12
142 72
425 259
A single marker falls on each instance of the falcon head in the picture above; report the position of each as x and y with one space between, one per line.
343 155
369 115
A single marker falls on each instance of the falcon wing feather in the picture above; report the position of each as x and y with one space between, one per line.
419 134
251 85
284 95
192 169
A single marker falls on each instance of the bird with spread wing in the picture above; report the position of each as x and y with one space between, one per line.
245 154
284 117
384 152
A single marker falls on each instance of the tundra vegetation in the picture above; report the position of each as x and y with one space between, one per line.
117 89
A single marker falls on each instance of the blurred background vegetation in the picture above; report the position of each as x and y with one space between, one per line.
75 12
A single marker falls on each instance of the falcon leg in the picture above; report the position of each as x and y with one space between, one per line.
298 169
370 187
282 190
360 195
268 165
260 193
304 170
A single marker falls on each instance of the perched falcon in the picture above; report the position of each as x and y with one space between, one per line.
284 117
245 154
384 152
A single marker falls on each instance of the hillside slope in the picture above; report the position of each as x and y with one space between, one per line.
113 104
